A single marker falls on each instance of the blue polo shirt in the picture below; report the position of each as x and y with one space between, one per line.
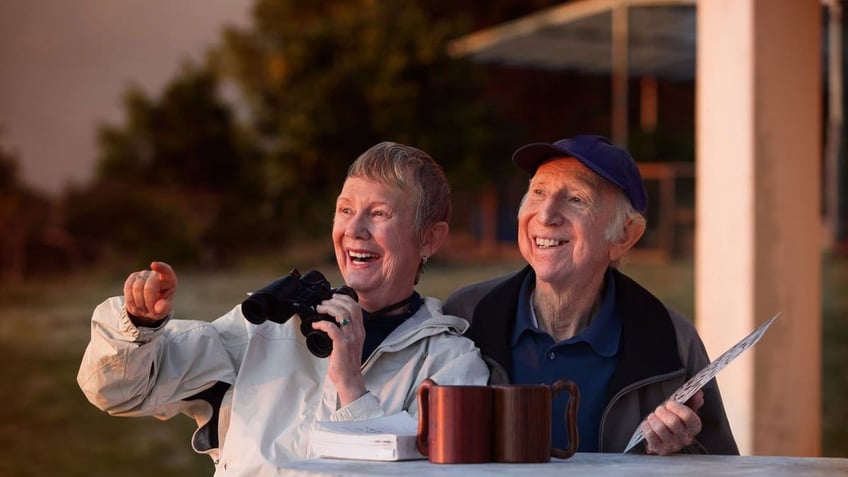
588 359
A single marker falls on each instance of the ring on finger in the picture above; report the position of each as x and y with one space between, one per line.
344 322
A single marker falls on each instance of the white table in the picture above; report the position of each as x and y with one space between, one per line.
600 465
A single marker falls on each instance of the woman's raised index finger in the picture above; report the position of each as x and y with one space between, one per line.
165 271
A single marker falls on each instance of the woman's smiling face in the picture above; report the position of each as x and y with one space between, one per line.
377 249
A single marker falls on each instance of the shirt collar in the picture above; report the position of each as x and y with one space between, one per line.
603 333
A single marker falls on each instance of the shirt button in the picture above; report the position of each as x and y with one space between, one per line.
551 356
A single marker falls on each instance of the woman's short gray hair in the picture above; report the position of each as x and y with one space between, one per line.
409 169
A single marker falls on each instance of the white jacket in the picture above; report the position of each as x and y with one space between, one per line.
279 389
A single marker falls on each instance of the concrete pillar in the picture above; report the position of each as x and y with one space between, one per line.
758 229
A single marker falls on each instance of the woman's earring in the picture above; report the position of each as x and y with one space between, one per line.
424 260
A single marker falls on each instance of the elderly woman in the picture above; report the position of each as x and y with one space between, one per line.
256 390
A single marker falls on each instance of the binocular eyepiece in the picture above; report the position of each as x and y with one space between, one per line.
295 294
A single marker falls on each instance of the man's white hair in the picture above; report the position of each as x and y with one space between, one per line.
623 213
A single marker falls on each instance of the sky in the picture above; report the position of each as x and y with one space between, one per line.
65 65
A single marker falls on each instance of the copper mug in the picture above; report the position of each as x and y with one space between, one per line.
454 423
522 421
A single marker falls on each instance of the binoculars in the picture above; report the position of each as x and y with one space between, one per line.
295 294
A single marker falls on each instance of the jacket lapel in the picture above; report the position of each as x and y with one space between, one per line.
648 344
494 319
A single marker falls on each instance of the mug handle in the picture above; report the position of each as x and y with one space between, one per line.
570 416
422 441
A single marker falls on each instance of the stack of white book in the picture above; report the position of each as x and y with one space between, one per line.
385 438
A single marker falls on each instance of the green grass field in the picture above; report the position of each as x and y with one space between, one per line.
48 428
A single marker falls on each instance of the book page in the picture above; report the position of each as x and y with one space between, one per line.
387 438
399 424
698 381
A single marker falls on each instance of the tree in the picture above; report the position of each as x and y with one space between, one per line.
172 178
188 138
319 83
326 80
8 170
31 241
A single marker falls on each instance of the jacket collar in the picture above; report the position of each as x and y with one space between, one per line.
427 321
646 332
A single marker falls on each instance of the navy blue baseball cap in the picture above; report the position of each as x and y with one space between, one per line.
599 154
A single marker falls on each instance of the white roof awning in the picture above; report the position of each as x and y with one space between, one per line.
578 36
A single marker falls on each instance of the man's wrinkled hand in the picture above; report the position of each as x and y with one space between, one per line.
672 426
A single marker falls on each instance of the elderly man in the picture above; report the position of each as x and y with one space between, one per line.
572 314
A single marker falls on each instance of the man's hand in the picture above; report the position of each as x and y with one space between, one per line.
673 426
149 294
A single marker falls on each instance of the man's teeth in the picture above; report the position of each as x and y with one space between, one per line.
361 257
545 243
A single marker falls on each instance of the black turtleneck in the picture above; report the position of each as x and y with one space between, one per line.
380 324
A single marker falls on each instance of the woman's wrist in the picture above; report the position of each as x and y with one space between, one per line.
351 394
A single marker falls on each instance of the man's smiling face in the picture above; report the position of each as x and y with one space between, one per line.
562 222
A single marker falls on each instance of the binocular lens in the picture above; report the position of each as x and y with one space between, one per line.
319 344
257 308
